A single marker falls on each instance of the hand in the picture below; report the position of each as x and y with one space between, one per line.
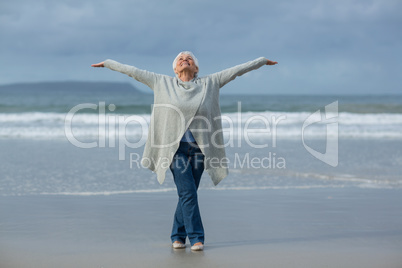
100 64
270 62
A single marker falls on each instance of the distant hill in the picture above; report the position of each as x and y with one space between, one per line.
72 86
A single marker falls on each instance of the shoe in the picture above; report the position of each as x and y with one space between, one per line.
199 247
178 245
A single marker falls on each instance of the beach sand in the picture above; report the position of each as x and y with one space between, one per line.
258 228
61 206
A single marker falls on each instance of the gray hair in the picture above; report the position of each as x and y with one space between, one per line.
186 53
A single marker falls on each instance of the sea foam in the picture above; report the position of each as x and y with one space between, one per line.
286 125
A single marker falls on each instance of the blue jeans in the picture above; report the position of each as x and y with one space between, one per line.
187 167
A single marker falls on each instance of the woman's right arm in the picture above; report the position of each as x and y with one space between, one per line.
145 77
100 64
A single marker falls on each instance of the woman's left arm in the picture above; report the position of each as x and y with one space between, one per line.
230 74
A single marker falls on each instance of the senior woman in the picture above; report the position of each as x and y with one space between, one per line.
185 134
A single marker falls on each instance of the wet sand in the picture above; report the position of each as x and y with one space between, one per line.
258 228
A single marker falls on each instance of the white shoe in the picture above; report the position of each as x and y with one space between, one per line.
197 247
178 245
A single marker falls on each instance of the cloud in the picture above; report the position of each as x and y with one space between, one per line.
337 40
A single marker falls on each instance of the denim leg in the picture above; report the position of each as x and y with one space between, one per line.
179 230
187 168
197 164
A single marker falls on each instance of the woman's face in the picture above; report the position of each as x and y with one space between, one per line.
185 62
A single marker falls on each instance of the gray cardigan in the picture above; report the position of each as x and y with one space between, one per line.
180 105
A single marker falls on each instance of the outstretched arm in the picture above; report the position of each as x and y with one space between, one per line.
228 75
145 77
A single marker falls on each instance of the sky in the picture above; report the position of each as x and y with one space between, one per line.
323 47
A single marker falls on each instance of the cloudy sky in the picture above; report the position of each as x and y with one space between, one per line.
323 47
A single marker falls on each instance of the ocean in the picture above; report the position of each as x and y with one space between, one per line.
316 176
79 141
